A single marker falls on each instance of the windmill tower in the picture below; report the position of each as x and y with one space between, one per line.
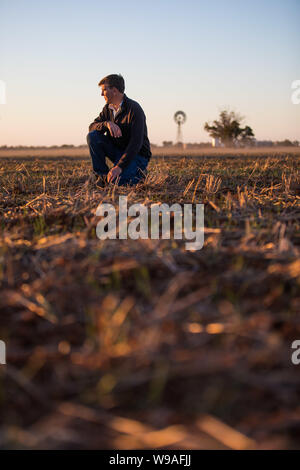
179 118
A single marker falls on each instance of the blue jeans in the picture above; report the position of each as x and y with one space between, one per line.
101 146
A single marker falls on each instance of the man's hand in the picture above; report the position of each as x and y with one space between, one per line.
113 173
114 129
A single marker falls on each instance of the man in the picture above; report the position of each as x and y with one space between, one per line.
119 133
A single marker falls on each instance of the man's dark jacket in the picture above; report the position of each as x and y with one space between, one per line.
132 122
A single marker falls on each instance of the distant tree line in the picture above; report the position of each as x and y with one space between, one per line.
255 143
22 147
165 143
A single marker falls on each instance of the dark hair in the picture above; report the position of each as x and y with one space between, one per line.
114 80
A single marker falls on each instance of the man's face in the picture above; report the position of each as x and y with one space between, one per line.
108 93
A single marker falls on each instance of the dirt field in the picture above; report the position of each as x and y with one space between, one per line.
140 343
83 151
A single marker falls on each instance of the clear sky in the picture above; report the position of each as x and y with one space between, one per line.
193 55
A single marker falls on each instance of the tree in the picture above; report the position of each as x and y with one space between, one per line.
285 143
228 129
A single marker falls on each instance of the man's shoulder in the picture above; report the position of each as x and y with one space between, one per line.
105 111
133 105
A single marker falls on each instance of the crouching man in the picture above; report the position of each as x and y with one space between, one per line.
119 133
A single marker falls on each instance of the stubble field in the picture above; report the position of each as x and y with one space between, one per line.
140 343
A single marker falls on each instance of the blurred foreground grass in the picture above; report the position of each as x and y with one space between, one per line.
136 344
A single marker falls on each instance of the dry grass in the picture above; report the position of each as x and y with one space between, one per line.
136 344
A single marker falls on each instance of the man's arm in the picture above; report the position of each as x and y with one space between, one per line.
136 138
100 123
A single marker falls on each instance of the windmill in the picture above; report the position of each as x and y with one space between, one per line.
179 118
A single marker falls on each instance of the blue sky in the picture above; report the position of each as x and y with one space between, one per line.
197 56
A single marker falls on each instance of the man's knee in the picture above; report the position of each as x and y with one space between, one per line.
95 136
91 136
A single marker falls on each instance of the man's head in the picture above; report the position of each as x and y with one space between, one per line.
112 88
